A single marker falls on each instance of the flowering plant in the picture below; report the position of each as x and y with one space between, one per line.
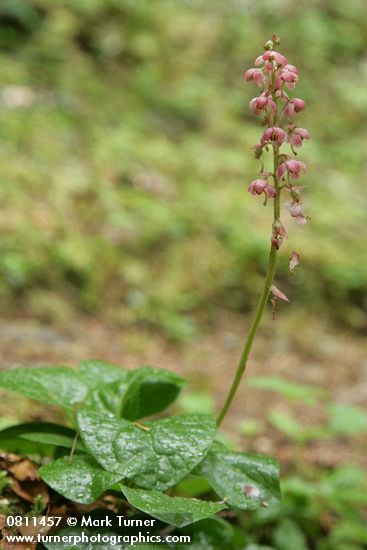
111 448
275 77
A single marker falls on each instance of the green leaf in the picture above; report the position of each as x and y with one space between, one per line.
150 391
176 511
81 480
289 535
61 386
42 432
155 456
300 392
108 398
23 447
96 372
347 419
245 481
292 428
107 383
196 402
132 394
192 486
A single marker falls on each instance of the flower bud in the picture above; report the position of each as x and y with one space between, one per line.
269 45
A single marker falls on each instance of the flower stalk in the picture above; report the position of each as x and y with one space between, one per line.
274 103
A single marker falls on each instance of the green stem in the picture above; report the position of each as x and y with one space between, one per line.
251 335
261 305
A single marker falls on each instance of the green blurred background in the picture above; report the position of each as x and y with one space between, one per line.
125 221
125 158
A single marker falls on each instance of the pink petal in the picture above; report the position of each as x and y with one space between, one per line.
302 132
272 105
291 68
270 191
293 261
249 74
301 219
281 170
278 294
295 140
299 104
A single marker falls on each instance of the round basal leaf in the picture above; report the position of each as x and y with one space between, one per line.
150 391
81 479
154 456
108 398
176 511
107 383
42 433
244 481
60 386
96 372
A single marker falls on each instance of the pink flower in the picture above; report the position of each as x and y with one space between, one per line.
293 167
297 135
293 261
275 134
291 68
271 55
255 75
257 187
258 104
289 75
294 106
295 211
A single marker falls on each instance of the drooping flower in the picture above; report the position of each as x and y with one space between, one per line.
296 212
297 135
289 75
275 134
259 104
271 55
259 186
293 167
295 209
294 106
255 75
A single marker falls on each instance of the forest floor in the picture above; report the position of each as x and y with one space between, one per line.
317 354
